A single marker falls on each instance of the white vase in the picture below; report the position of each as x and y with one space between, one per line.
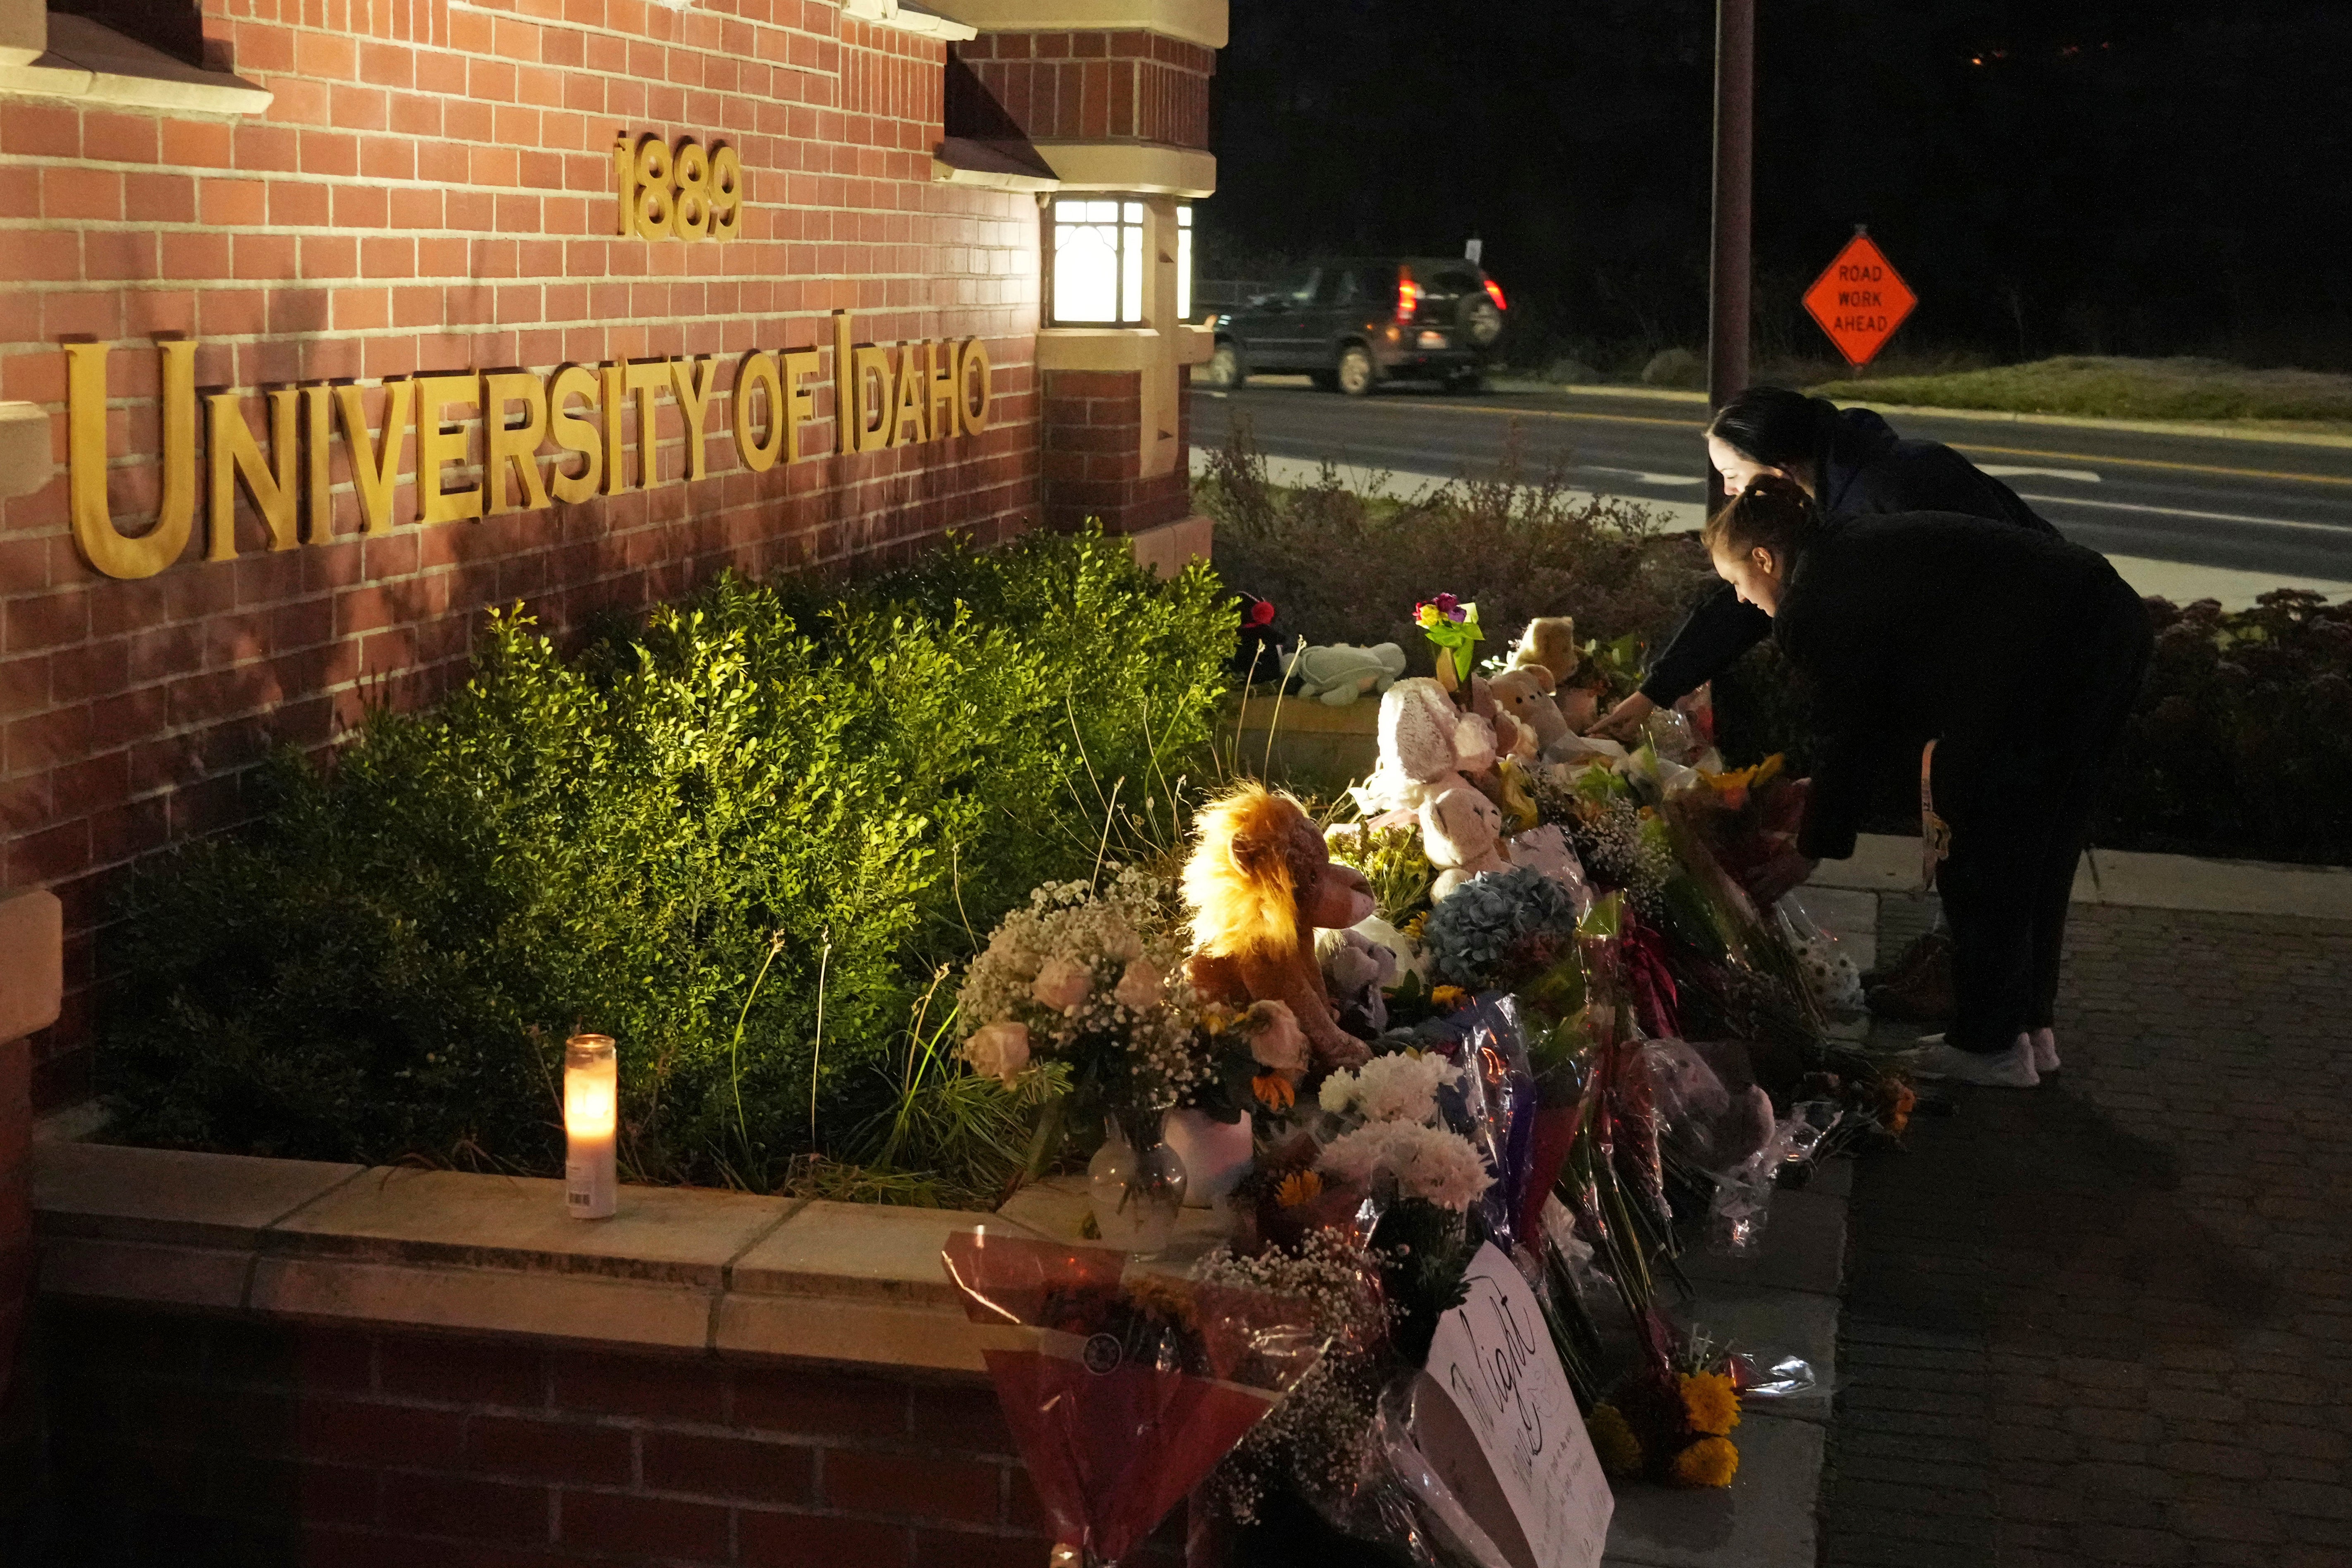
1215 1155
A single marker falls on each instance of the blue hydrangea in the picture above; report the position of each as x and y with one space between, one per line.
1492 928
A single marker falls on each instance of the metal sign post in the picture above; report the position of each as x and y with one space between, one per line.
1729 265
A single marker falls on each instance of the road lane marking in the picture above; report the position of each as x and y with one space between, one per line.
1637 476
2184 511
2004 471
2160 463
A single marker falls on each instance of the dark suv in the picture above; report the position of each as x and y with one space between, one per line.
1352 324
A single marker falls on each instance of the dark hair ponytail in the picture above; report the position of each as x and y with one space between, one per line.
1773 425
1772 513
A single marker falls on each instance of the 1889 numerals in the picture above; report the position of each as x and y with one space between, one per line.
687 193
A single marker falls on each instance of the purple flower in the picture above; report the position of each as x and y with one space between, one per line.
1450 607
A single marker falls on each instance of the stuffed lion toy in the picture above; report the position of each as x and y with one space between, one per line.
1261 882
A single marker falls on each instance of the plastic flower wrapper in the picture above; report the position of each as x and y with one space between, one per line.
1122 1388
1452 628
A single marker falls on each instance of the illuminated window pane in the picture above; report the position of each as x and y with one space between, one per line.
1086 272
1097 262
1131 278
1183 264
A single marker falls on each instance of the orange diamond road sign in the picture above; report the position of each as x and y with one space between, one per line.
1860 300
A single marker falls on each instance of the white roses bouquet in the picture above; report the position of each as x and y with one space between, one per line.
1095 979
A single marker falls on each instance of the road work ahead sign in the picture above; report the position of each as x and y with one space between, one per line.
1860 300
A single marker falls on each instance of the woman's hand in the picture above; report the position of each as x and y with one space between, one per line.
1781 875
1624 721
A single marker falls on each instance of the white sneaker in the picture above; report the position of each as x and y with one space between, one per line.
2045 1050
2011 1068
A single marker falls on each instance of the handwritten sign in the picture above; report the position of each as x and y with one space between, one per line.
1493 1359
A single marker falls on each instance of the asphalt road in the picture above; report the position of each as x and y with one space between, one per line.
2259 506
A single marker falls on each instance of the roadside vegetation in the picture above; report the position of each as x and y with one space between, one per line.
2112 389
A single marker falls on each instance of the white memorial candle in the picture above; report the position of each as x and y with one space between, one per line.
591 1093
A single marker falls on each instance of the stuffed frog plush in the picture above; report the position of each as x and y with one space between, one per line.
1338 674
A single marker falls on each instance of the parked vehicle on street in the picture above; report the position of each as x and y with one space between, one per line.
1354 324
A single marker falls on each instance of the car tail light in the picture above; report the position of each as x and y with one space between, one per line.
1494 292
1408 298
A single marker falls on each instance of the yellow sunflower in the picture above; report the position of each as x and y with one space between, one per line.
1620 1451
1709 1462
1298 1187
1711 1403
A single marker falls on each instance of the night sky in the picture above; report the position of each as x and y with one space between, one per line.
2054 177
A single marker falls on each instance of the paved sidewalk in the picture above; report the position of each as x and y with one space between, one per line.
2110 1320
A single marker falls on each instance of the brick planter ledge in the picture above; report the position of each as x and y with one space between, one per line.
303 1362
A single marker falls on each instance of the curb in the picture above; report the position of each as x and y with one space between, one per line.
1884 863
2292 434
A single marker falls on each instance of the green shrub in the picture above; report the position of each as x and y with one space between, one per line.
2242 742
1341 566
771 813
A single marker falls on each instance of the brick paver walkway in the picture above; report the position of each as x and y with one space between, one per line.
2110 1320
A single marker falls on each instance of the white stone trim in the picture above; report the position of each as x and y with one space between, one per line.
25 464
1204 22
1141 168
907 18
94 63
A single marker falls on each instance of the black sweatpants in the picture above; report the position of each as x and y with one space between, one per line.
2020 805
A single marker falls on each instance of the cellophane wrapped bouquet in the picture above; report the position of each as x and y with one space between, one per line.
1124 1386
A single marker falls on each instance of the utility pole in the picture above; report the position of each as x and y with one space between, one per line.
1728 267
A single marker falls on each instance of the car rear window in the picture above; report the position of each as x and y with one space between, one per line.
1453 281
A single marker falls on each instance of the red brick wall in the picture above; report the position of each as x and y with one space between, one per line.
431 190
1093 454
176 1439
1093 87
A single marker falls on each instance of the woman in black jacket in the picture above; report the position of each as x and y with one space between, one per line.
2018 655
1852 463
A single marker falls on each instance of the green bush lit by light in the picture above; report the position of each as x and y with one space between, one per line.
769 801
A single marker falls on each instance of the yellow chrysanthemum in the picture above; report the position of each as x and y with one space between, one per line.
1711 1403
1298 1187
1274 1089
1449 996
1614 1441
1709 1462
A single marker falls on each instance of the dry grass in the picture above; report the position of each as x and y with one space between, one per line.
2189 389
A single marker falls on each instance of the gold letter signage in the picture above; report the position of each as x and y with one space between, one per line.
688 193
496 432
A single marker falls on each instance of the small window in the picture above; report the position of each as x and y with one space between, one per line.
1453 281
1336 287
1097 262
1183 264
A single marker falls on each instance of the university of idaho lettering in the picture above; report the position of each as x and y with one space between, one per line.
547 440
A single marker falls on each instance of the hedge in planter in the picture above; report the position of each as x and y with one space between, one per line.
768 812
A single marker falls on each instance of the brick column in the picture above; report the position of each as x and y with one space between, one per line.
32 974
1118 109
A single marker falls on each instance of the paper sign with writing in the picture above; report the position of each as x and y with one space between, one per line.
1492 1357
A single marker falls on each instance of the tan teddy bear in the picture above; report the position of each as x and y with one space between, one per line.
1548 649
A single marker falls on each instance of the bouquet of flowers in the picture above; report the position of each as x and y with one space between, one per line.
1452 628
1124 1388
1671 1423
1096 979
